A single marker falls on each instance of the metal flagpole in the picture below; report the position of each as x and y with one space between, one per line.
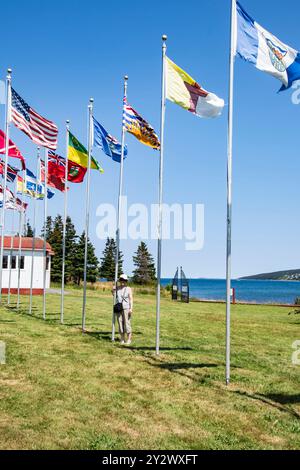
7 127
11 246
229 188
34 230
87 209
45 235
119 210
22 219
161 168
64 228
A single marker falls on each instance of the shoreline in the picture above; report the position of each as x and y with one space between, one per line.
241 302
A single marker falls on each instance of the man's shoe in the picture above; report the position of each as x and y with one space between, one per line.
128 342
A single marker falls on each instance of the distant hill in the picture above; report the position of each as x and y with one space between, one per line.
289 275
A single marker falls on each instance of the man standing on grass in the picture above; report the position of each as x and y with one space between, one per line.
123 308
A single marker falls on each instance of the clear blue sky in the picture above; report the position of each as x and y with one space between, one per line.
63 52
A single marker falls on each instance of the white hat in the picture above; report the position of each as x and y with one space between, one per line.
123 277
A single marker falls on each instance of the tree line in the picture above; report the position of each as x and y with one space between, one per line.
144 267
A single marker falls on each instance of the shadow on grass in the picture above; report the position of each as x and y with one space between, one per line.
173 366
105 335
276 400
183 369
152 348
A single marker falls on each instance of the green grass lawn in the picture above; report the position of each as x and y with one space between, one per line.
61 389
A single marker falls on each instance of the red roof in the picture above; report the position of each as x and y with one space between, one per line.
26 244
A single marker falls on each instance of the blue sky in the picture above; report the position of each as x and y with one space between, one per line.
62 53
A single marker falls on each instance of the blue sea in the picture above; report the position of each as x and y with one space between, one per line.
256 291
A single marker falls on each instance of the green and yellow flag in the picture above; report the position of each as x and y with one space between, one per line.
77 153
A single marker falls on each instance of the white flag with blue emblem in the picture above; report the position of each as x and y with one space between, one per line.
256 45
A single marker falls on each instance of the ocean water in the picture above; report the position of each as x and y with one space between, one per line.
257 291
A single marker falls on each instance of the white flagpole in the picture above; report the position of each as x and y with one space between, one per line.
161 168
64 228
87 209
11 245
119 209
7 127
45 235
22 219
34 232
229 188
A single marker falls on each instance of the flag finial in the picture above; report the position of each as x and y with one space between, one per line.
164 37
126 77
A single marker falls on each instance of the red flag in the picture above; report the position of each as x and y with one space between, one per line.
76 173
13 150
54 178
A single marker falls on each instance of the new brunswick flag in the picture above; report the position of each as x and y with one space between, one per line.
77 153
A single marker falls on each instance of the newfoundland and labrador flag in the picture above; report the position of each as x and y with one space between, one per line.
256 45
183 90
107 142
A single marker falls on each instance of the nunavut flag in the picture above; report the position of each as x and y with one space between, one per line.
183 90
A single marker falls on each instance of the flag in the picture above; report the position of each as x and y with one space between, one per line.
54 180
32 187
57 165
107 142
183 90
13 150
77 153
9 198
266 52
40 130
140 128
11 171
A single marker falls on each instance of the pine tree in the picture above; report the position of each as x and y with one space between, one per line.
55 241
49 228
78 261
108 259
28 230
71 238
144 272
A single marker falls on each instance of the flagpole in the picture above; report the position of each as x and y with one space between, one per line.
229 190
7 128
45 235
64 228
11 246
34 230
87 209
161 168
20 241
119 210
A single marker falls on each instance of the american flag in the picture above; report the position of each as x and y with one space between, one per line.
39 129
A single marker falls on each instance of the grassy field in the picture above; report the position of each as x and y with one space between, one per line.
61 389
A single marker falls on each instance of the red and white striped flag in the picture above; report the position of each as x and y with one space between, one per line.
39 129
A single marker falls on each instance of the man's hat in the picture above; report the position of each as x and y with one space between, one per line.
123 277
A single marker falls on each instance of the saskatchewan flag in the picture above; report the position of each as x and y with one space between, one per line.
77 153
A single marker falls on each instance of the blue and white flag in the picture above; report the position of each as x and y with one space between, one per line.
256 45
34 188
107 142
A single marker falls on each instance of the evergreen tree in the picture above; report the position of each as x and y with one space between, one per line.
49 228
144 272
71 238
78 262
55 241
108 260
28 230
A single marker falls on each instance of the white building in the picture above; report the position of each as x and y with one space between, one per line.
11 259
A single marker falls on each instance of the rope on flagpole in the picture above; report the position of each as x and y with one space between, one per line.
119 211
34 232
7 128
45 234
161 168
11 249
87 210
64 227
22 218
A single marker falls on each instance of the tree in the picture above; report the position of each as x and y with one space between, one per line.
55 240
71 238
78 261
108 260
144 272
28 230
49 228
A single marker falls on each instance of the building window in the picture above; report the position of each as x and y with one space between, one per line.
47 263
13 262
5 262
22 262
